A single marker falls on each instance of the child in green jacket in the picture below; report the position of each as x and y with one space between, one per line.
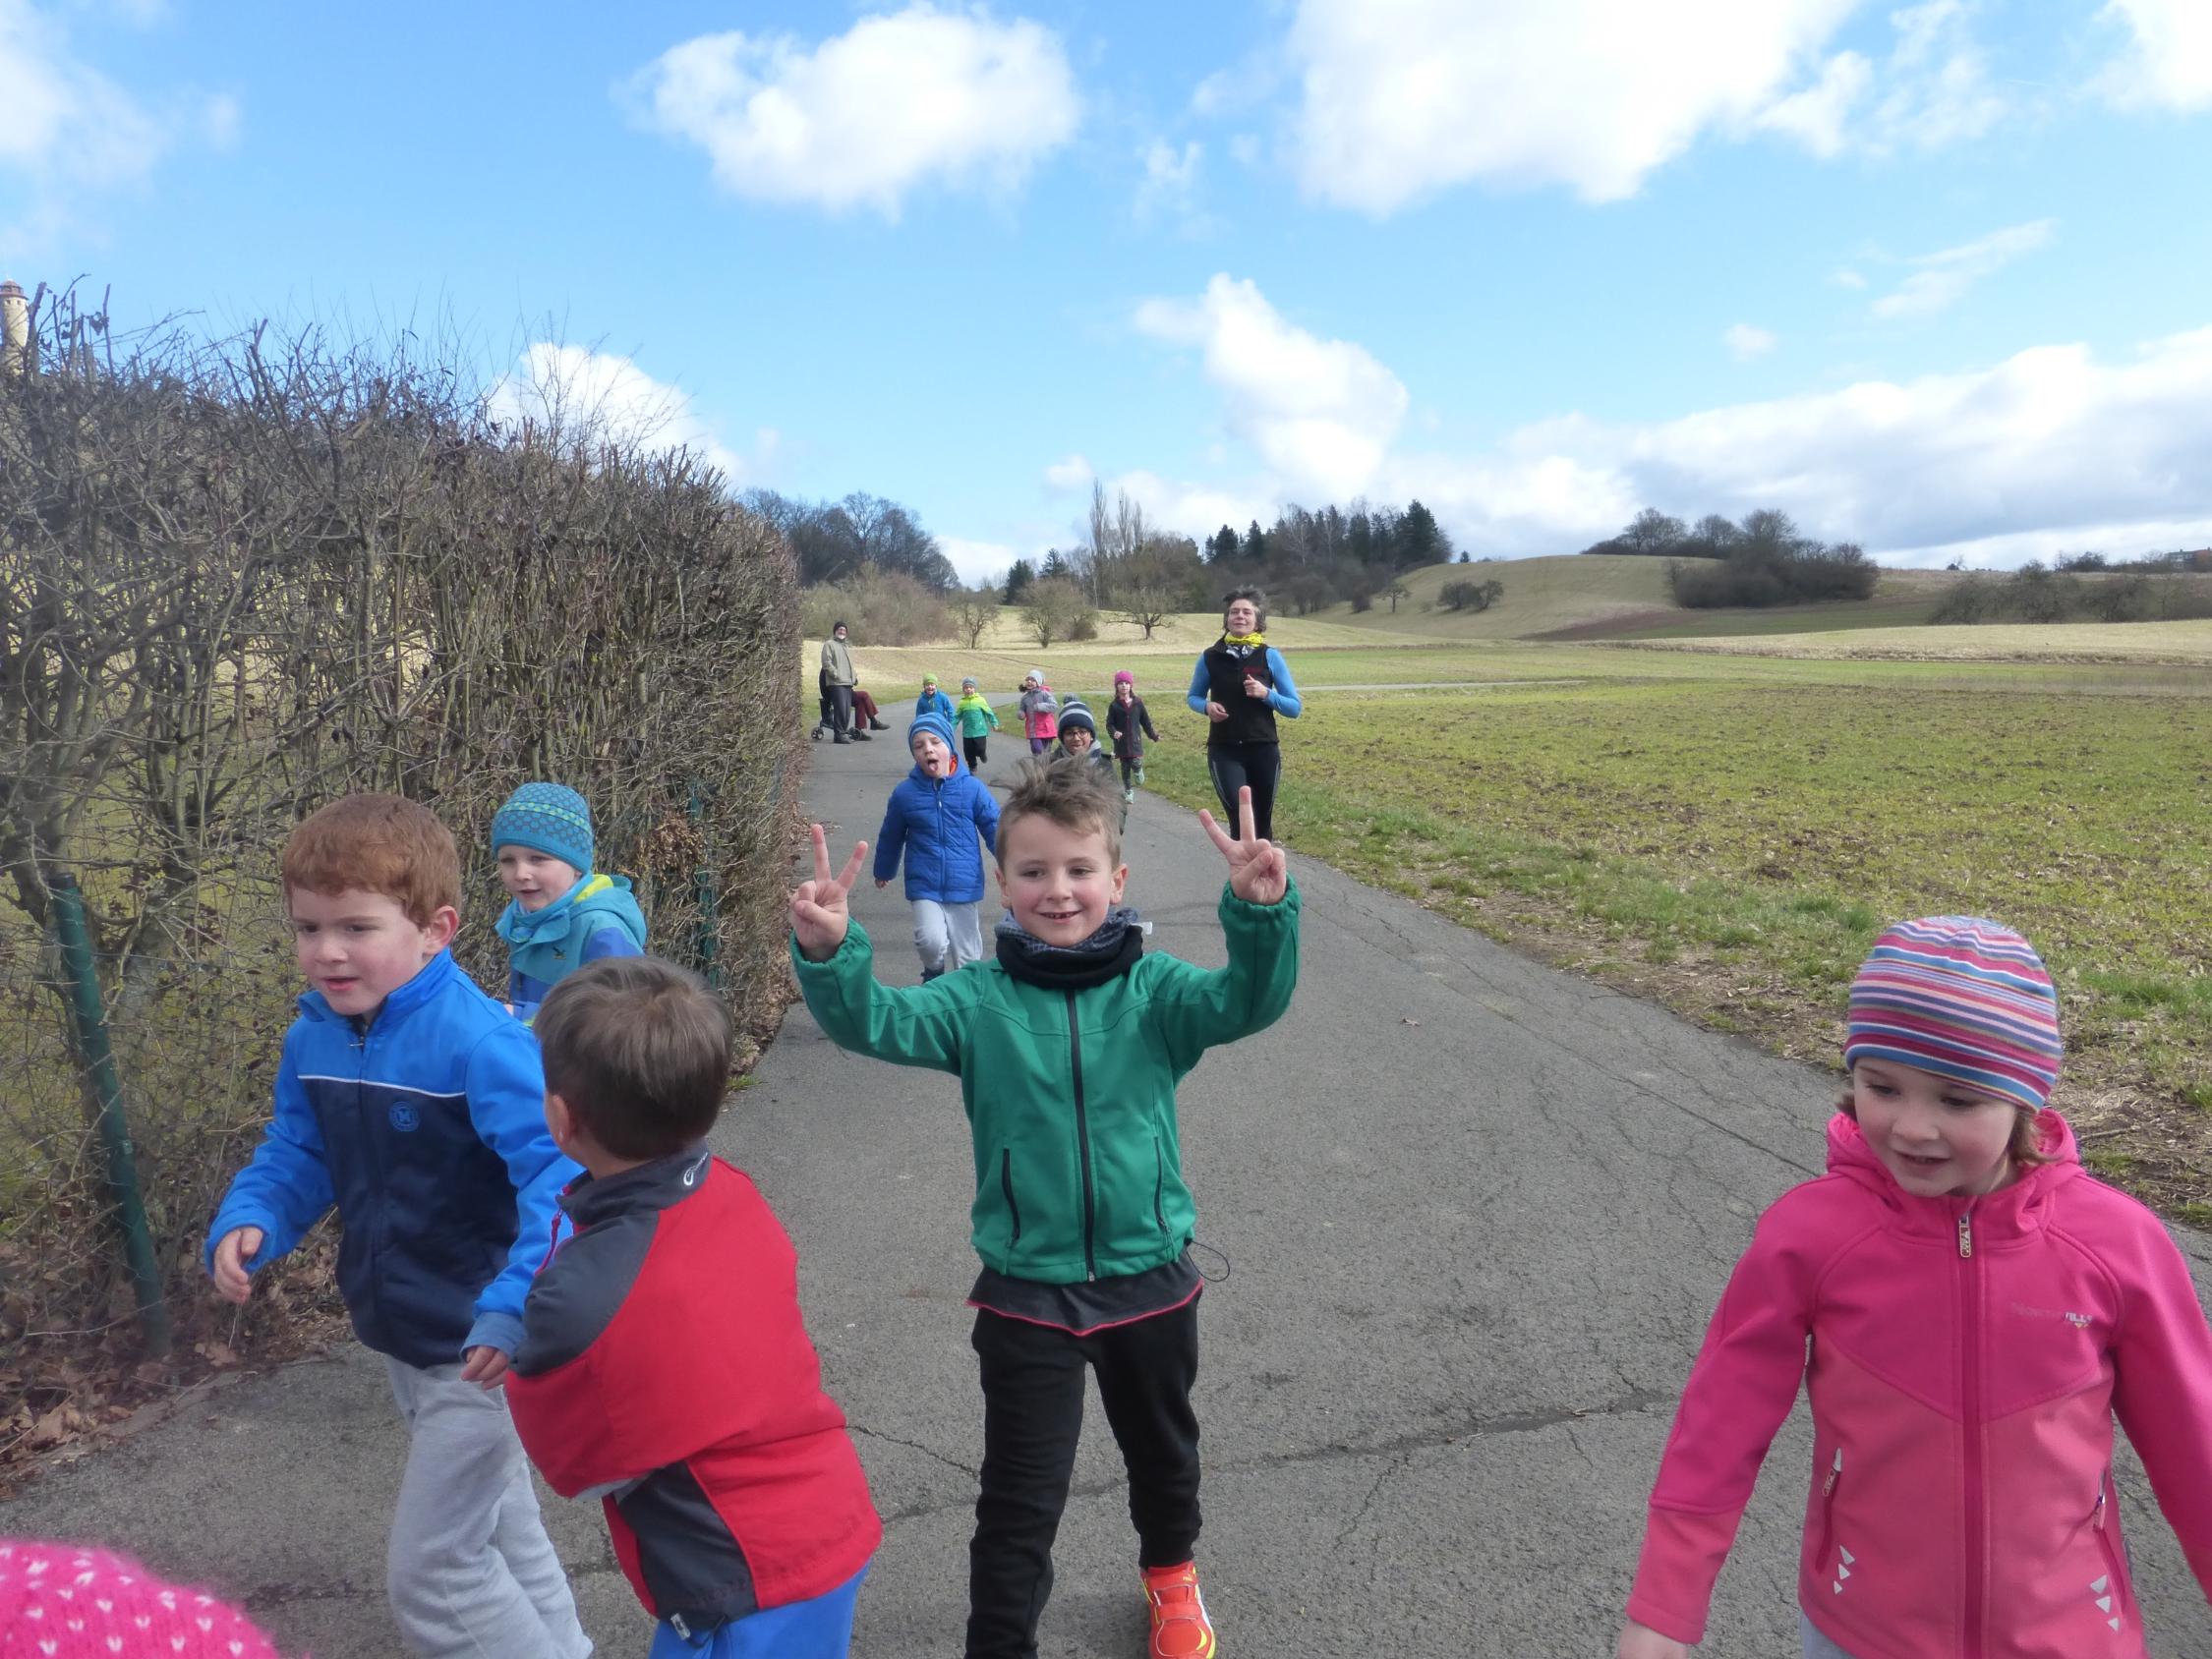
977 720
1068 1047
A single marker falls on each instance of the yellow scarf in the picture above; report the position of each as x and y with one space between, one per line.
1244 639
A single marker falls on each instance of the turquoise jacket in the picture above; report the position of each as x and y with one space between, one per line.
1070 1094
595 918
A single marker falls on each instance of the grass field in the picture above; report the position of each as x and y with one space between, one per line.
1729 845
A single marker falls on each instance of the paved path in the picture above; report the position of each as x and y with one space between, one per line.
1477 1213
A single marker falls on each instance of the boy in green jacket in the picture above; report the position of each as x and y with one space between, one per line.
1069 1048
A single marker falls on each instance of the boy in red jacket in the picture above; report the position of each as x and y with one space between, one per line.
736 1501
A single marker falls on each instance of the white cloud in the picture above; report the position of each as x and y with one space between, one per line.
2049 448
977 561
1320 413
1066 476
580 391
1402 99
1933 91
69 133
1941 278
2170 60
1746 341
1170 181
869 115
1847 278
1815 115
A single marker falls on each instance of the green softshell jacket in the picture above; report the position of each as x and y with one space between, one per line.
1070 1094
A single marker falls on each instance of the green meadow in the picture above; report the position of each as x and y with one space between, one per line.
1729 845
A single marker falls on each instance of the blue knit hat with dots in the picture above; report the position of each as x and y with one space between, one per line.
937 725
547 818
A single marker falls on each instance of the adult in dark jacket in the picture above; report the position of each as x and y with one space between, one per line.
933 820
1241 684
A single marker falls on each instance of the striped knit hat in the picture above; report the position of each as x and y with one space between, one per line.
1963 997
547 818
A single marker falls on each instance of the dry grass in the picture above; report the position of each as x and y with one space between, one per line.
2059 641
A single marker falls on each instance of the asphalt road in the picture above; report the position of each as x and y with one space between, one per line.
1474 1213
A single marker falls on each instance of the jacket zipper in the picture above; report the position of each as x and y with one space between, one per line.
1828 1514
1082 1145
1006 1180
1159 1183
1971 1381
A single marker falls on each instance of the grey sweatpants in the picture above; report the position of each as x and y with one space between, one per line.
948 936
1817 1644
469 1569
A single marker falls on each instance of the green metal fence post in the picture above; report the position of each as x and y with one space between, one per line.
89 1028
706 944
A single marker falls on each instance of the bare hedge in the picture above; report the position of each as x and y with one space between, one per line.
239 577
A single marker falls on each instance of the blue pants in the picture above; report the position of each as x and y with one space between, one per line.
821 1629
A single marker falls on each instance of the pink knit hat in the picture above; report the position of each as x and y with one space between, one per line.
64 1601
1963 998
1121 676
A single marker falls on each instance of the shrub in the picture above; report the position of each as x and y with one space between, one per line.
879 608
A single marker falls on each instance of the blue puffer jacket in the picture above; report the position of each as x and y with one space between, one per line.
427 1127
934 703
935 823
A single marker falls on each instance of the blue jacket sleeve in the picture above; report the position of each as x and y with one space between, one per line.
1200 688
608 941
506 1086
986 811
1284 698
285 1187
891 839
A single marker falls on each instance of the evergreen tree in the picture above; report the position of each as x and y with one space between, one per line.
1255 543
1019 577
1420 538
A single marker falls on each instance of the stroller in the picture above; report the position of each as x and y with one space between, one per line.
826 722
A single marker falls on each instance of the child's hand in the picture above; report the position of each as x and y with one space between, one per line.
485 1365
238 1246
1640 1641
880 885
819 916
1258 872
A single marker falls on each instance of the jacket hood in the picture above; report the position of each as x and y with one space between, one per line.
2009 1210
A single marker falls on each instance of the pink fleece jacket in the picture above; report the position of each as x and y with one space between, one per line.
1966 1358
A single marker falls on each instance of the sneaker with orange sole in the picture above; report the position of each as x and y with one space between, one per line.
1180 1626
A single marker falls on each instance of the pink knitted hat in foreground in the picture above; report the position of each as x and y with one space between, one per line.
66 1601
1963 997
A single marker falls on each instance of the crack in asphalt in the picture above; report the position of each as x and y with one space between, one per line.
1399 1449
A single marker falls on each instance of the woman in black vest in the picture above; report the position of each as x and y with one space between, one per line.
1242 683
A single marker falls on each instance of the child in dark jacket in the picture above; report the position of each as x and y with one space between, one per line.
934 814
665 1365
560 915
1129 724
408 1098
1068 1047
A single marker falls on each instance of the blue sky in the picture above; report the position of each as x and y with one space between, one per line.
1934 276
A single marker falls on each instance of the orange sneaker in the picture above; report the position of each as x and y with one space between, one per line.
1180 1626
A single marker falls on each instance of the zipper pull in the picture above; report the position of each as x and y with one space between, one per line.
1836 1472
1965 1236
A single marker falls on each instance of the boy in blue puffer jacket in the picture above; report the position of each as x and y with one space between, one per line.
933 700
407 1099
934 818
562 916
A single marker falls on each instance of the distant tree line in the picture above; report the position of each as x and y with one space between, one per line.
2084 588
1765 560
841 540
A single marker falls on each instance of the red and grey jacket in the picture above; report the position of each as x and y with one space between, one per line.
664 1364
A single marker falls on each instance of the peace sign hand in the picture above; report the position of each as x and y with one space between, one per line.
819 916
1258 871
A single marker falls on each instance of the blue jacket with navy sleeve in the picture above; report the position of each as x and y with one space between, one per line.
934 823
427 1127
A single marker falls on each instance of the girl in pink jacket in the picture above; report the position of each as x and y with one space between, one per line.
1978 1308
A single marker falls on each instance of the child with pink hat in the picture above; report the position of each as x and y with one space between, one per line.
71 1601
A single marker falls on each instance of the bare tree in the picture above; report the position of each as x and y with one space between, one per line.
973 610
1052 609
1394 592
1147 605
